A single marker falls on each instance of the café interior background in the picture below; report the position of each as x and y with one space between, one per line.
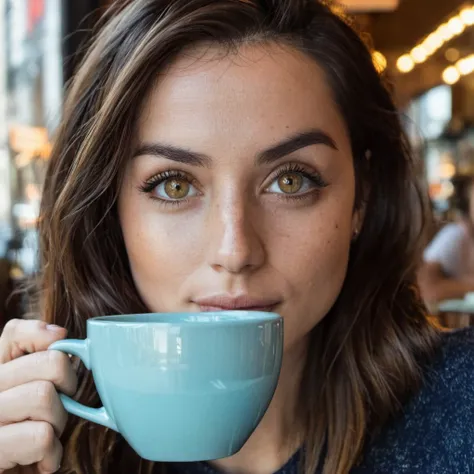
424 48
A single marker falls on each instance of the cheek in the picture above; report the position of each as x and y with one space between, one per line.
314 264
317 264
161 252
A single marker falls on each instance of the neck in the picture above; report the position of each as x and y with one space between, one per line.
279 434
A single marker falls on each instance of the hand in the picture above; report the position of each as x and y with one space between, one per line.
32 416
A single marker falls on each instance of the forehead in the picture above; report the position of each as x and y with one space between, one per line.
255 94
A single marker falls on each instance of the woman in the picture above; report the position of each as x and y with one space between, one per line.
230 154
448 268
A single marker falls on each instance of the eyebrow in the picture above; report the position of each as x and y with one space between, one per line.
295 143
173 153
282 149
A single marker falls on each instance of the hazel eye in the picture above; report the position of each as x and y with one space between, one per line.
290 183
173 188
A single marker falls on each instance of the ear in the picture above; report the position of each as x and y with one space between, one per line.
358 215
357 221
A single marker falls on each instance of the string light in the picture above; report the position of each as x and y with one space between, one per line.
445 32
451 75
405 63
463 67
456 26
434 41
466 65
467 16
380 61
419 54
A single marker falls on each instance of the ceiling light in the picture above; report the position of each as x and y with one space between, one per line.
453 27
418 54
452 54
451 75
467 16
432 43
466 65
456 25
445 32
405 63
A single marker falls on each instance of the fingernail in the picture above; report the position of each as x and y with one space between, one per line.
54 328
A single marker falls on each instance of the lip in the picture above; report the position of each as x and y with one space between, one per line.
241 302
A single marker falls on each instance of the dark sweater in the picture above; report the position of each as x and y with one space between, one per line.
434 434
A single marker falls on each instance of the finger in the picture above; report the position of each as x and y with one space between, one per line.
51 462
30 442
36 401
21 337
52 366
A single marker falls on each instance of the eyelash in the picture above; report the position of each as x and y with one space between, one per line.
314 177
149 185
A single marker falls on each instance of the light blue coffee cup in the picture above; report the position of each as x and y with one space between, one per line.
181 386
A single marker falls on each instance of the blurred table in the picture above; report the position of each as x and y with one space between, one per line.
456 313
456 306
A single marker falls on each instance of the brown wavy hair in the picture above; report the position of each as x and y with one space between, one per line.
366 357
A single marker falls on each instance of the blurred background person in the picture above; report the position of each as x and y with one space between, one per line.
447 271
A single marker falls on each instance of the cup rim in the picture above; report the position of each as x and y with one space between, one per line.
214 318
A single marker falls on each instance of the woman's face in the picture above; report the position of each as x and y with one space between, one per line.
241 190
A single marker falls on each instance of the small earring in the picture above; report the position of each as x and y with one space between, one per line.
355 234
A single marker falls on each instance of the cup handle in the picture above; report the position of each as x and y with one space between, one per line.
80 348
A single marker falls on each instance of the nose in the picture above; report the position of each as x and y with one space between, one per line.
235 245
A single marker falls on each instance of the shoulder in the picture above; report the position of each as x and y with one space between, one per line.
447 245
453 366
444 408
446 401
434 432
453 229
450 233
456 344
